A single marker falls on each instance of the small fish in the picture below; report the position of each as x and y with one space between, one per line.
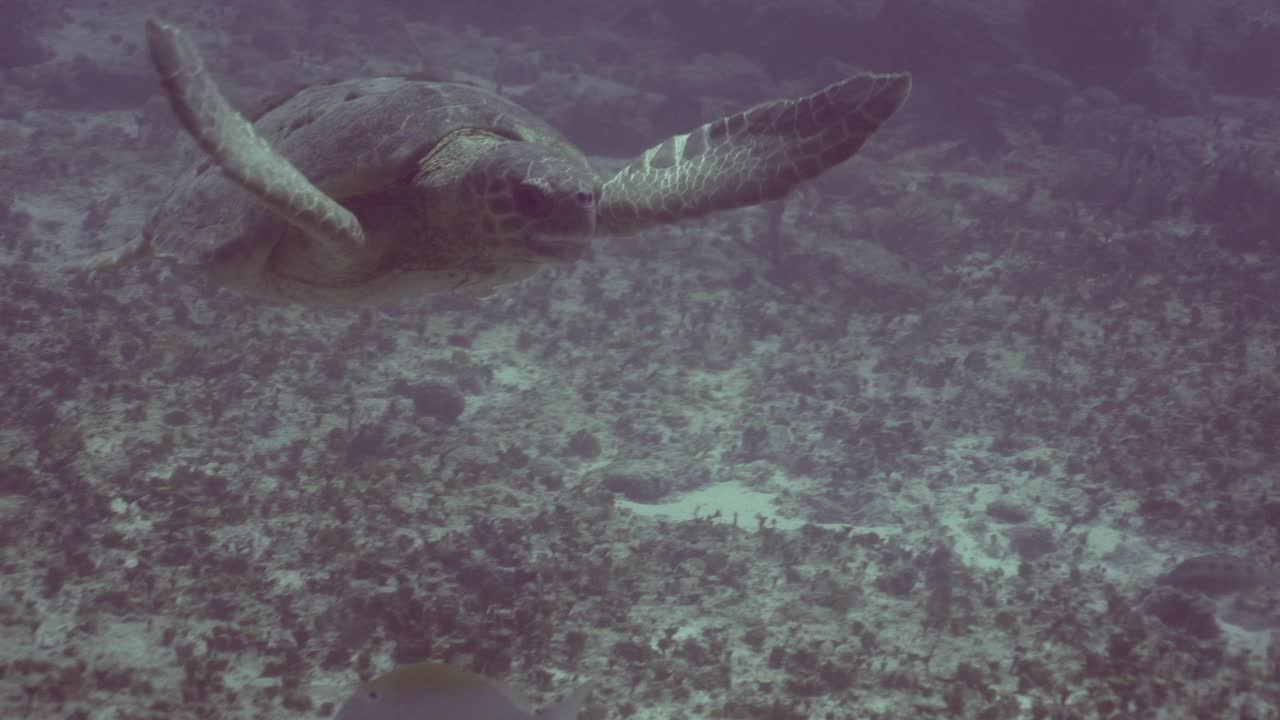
1217 575
435 691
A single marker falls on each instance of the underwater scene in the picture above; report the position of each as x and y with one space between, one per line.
640 360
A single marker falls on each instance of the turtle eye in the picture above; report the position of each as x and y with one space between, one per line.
531 201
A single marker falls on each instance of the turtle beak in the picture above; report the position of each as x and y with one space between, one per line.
589 205
590 201
573 228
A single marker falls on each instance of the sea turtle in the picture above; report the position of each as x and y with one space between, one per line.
370 190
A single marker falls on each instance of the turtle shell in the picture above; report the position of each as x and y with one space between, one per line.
350 139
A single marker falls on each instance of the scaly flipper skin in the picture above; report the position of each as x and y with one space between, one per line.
751 157
240 151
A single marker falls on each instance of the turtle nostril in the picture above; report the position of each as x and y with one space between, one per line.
585 199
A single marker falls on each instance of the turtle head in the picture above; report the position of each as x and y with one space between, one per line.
536 205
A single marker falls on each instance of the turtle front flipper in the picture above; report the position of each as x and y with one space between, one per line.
750 157
243 154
